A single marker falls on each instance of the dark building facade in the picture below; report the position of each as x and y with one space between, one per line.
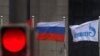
81 11
19 11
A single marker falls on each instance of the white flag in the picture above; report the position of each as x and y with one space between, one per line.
87 31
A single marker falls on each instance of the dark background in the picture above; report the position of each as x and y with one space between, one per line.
81 11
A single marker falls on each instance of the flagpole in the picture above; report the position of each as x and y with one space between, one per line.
36 52
65 40
33 22
1 20
32 28
99 34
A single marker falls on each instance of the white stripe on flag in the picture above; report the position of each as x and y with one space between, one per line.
51 24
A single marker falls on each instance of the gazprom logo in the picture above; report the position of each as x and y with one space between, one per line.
90 33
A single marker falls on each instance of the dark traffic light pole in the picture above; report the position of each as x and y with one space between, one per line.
28 9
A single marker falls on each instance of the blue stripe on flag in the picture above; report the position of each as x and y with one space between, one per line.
60 30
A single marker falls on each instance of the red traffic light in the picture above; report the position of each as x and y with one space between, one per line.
14 40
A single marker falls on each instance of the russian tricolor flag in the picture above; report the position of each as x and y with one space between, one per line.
53 31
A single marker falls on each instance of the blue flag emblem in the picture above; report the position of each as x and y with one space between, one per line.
90 33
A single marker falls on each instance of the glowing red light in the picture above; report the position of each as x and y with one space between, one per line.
14 40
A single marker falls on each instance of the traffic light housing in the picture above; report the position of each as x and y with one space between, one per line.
14 40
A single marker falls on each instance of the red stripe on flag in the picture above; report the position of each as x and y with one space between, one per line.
51 36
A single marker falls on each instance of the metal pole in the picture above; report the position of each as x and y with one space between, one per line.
28 9
99 34
33 22
66 35
34 41
0 35
1 20
28 18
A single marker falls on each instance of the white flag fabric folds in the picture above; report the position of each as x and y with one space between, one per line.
87 31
